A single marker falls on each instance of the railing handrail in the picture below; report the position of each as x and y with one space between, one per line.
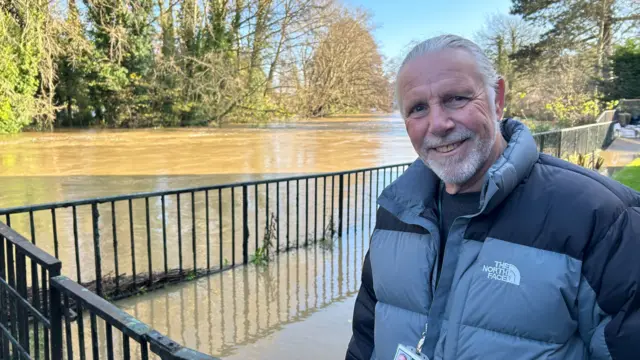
36 254
142 195
117 318
123 321
572 128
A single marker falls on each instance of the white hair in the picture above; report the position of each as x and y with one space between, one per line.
489 75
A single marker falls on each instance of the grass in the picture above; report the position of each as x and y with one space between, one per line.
630 175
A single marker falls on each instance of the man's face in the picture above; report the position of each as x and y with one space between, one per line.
449 119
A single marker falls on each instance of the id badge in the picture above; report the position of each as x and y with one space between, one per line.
408 353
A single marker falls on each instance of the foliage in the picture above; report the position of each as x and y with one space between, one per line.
630 175
591 160
20 55
626 71
149 63
573 24
261 255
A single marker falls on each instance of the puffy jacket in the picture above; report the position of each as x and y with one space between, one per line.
548 267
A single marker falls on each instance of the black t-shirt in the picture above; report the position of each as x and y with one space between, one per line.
453 206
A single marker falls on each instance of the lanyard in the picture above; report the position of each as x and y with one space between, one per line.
441 224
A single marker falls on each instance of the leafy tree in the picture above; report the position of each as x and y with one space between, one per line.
577 22
625 64
20 55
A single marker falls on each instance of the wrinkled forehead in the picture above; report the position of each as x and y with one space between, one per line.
448 67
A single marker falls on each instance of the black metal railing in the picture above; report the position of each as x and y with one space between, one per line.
32 311
577 140
25 305
116 245
96 319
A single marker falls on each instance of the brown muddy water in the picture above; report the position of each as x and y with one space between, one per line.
297 306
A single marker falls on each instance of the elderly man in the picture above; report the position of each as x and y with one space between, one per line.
486 249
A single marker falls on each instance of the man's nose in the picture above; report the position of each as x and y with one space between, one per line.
440 122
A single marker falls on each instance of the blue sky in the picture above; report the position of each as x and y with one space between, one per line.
400 21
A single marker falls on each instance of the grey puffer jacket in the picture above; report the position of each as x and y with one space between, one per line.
548 267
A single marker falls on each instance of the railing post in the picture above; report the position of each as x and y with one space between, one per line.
245 226
542 143
340 203
95 216
55 299
559 144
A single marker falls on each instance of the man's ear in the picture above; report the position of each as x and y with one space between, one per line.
500 98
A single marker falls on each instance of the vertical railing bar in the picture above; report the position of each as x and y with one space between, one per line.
333 202
75 242
220 225
324 207
348 200
364 191
133 244
179 234
23 321
55 232
306 212
297 213
109 341
145 350
340 204
149 253
115 245
80 321
193 232
45 311
13 305
35 296
125 347
370 198
277 216
256 212
355 204
32 228
245 224
4 302
288 224
164 236
233 226
315 210
94 336
384 177
95 219
206 205
267 222
67 327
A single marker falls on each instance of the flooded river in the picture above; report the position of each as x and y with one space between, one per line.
299 305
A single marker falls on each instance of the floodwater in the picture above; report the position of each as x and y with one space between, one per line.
297 306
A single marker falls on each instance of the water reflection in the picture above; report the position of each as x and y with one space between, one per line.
244 312
226 313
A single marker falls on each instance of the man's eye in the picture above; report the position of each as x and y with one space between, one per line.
457 101
418 108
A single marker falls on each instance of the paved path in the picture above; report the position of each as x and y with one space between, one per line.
621 152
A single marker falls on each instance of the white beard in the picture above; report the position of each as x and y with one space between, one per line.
460 168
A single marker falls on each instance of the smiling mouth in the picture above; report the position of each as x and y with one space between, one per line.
449 147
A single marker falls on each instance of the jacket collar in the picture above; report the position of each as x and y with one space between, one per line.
412 196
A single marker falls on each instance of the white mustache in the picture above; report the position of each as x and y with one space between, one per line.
454 137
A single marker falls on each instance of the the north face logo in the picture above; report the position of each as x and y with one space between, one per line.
503 271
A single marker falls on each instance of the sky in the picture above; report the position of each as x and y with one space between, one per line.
401 21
